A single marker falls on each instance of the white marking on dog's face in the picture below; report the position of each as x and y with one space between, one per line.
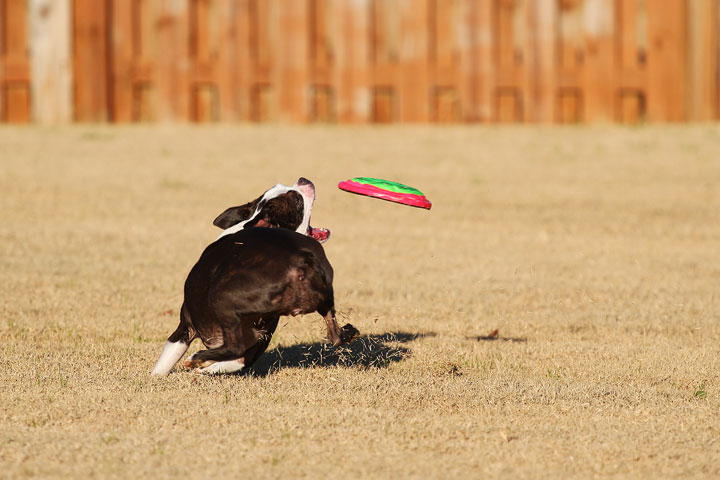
172 352
306 191
308 194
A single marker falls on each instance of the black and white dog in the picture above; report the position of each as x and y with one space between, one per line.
268 262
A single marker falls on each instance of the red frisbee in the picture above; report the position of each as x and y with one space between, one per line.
386 190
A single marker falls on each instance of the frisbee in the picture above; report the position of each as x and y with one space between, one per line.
386 190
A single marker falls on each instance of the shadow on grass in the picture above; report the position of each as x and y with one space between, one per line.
367 351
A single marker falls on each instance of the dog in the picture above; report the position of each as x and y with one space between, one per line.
268 262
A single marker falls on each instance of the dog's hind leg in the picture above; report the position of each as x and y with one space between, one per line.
175 346
333 331
266 328
338 336
239 350
239 334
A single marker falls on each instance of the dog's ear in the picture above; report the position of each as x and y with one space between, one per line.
234 215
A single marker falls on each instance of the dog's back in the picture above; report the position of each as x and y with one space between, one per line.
270 271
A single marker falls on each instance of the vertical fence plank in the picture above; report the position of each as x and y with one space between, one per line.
570 62
599 81
90 60
321 50
262 19
292 73
225 57
483 76
541 71
702 58
353 63
238 48
172 63
414 86
3 49
511 24
385 53
450 46
14 62
465 50
716 57
133 88
631 64
666 60
124 45
469 46
50 62
203 52
628 32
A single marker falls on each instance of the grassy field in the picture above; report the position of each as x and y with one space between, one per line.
594 251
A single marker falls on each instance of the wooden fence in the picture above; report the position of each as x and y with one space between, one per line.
357 61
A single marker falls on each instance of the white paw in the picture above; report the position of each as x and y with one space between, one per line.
228 366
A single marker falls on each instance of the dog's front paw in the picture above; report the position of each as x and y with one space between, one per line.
192 363
348 333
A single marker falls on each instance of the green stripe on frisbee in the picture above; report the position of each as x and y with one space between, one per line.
386 190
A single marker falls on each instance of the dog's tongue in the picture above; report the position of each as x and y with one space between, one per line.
319 234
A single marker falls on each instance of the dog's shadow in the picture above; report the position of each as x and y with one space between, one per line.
367 351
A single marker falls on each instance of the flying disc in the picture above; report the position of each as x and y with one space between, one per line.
386 190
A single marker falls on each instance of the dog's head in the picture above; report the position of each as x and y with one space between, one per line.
281 206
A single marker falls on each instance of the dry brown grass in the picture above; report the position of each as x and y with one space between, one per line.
594 251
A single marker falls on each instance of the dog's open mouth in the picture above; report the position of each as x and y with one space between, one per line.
319 234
